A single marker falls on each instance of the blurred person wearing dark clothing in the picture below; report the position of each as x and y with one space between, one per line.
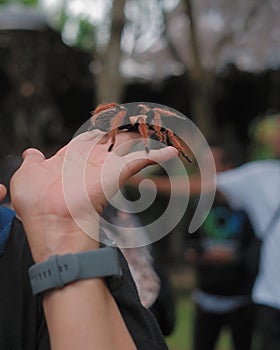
218 252
255 188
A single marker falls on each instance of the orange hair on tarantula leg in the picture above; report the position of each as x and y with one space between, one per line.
103 107
143 130
115 123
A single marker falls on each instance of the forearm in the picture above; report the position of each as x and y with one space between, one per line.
84 315
54 197
163 184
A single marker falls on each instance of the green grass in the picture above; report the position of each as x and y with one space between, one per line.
181 338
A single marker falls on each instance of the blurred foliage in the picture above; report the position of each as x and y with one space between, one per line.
86 34
82 28
30 2
24 2
88 25
181 338
261 132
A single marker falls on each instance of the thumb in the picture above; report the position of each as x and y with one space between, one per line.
33 155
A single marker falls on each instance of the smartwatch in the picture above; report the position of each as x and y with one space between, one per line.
60 270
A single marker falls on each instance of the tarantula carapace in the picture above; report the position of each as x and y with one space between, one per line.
144 119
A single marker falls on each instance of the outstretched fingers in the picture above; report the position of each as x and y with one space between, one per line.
136 161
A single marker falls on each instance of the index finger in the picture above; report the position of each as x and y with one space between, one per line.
136 161
125 140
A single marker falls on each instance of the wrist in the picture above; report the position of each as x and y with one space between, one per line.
58 237
61 270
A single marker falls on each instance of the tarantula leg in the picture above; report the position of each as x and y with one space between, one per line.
112 135
115 124
143 130
100 115
156 123
166 113
176 143
103 107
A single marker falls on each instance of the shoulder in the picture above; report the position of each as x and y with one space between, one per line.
17 255
21 313
17 241
245 171
10 227
260 166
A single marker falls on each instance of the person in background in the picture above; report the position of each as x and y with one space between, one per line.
218 251
254 188
86 313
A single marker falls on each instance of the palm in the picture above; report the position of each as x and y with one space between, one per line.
72 187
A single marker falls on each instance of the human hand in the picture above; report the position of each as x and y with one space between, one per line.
50 195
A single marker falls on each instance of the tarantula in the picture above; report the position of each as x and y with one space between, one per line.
113 117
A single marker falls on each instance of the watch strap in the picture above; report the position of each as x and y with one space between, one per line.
60 270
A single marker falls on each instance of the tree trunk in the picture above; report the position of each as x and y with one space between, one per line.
202 83
109 82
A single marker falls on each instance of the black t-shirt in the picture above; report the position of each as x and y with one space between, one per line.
231 230
22 322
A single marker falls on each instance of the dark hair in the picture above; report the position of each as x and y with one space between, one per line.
232 153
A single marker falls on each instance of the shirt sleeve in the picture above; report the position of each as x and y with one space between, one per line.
22 318
140 322
235 185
